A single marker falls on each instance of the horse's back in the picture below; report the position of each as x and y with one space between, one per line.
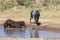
20 22
9 20
35 12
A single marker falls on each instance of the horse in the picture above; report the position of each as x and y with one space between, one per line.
35 14
12 24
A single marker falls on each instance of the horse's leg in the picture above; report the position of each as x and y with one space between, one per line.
9 25
30 20
20 26
37 19
25 25
31 16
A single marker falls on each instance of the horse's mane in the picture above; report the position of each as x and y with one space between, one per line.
10 20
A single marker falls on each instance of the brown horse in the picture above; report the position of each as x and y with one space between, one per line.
12 24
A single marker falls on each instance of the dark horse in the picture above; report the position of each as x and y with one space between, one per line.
12 24
35 14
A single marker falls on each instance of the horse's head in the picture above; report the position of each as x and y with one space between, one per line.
38 23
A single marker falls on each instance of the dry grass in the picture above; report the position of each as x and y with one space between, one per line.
23 13
15 13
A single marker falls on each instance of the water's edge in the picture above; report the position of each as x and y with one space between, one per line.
26 34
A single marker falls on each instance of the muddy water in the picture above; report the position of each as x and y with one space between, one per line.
14 34
27 33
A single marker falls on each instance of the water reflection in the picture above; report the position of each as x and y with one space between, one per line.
17 33
27 33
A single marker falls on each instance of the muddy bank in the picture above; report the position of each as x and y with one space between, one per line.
47 27
46 24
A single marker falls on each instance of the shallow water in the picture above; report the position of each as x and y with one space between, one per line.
26 34
15 34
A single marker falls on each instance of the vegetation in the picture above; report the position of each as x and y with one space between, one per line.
6 4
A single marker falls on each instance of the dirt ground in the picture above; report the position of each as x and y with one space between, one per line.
48 24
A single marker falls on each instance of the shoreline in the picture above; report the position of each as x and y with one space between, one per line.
44 27
48 25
